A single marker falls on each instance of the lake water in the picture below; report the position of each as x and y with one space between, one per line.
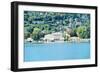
56 51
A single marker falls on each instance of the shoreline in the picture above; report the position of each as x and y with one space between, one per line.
71 41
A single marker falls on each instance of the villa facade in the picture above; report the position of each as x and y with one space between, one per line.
57 36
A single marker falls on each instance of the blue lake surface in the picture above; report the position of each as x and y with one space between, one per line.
56 51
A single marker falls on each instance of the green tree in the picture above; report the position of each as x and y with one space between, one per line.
81 32
87 29
35 34
26 35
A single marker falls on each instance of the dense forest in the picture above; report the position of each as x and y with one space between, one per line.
37 24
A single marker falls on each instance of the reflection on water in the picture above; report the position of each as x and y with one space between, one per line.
56 51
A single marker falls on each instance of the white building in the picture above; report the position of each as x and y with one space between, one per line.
48 38
54 37
29 39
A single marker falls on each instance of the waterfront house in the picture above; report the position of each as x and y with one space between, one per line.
57 36
48 38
